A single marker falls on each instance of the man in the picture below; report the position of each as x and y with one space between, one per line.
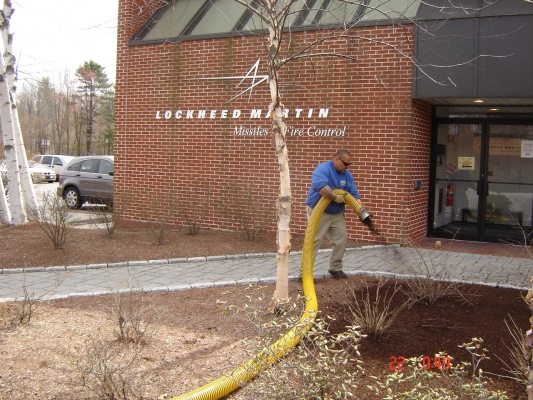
327 177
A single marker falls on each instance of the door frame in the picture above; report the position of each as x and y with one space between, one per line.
485 123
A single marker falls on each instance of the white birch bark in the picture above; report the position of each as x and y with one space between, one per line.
28 191
5 215
281 293
18 216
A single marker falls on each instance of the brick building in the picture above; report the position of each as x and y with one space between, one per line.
186 125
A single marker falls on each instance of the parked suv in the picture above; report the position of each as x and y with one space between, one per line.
85 179
54 162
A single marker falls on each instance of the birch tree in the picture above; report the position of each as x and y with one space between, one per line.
28 191
273 14
5 215
18 216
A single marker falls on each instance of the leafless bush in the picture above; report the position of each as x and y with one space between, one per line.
315 369
457 380
431 279
194 206
518 354
375 312
523 245
163 208
133 319
520 347
108 370
52 215
108 217
17 313
246 205
24 308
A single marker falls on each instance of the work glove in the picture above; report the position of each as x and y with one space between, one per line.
339 199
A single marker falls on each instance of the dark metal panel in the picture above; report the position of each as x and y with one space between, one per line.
505 7
445 50
447 9
510 38
493 58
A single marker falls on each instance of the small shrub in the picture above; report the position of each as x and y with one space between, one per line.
22 310
322 366
164 209
108 217
19 312
522 246
26 308
134 321
431 279
194 206
108 370
518 354
246 205
375 313
462 380
52 216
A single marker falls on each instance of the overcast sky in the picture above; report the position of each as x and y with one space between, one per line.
53 36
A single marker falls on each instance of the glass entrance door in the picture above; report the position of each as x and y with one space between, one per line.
457 178
509 181
483 188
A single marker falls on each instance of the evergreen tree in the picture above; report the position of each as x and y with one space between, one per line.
93 83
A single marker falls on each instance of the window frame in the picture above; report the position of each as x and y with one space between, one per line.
238 30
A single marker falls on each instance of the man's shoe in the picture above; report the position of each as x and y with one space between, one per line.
338 274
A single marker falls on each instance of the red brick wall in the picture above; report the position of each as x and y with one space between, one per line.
369 94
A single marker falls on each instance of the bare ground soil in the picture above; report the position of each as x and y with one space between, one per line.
191 339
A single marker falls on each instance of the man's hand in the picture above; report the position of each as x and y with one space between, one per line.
339 199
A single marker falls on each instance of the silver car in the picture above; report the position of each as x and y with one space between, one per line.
53 161
39 173
87 179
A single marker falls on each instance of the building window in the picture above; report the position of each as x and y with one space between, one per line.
196 19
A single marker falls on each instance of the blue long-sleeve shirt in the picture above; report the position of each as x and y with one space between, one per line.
326 175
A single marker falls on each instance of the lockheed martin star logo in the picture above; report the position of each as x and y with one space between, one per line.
251 75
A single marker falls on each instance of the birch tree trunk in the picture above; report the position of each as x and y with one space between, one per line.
281 293
18 217
5 215
28 191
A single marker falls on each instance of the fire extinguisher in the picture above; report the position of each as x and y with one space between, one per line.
449 195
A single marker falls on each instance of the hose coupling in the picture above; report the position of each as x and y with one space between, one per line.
364 216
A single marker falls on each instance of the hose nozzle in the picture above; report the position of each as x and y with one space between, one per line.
364 216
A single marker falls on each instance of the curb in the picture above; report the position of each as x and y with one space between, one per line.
173 261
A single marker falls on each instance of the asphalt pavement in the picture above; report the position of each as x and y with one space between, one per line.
80 218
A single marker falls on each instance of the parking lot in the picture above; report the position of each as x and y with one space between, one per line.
79 217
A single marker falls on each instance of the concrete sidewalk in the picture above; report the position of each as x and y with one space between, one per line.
199 272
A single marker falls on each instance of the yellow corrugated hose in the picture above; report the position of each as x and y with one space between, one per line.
235 379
